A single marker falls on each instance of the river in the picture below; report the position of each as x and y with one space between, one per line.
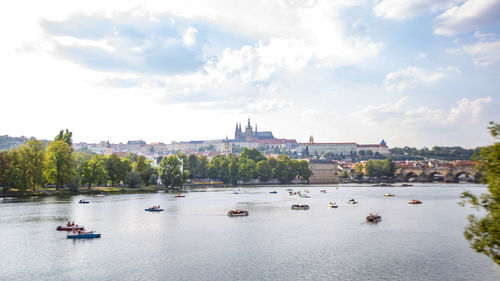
195 240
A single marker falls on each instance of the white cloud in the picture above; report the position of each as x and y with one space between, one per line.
189 37
411 77
403 9
395 114
483 53
469 16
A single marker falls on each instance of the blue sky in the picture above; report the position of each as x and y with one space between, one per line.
414 72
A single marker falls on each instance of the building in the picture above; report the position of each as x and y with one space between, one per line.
375 149
324 171
226 147
335 148
250 134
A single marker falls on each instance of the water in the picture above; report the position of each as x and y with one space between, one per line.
194 239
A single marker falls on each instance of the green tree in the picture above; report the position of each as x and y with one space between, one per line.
4 170
192 166
233 171
484 233
59 162
248 170
252 154
144 168
281 172
116 168
65 136
202 167
224 174
93 171
31 163
133 179
170 171
264 170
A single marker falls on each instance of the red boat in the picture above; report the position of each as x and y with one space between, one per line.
414 202
70 228
180 195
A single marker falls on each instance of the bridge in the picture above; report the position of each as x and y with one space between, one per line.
441 173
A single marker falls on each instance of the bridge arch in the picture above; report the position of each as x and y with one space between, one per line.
436 176
464 176
411 176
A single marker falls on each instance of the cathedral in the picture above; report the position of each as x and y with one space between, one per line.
250 134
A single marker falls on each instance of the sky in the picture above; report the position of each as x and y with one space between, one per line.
413 72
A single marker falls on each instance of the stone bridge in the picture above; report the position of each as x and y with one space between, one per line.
446 174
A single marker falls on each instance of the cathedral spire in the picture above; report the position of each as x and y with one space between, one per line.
248 126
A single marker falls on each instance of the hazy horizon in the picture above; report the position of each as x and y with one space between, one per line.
417 73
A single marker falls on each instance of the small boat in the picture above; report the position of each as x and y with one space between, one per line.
84 235
237 213
414 202
236 192
406 184
273 192
180 195
288 189
83 201
332 205
322 191
153 210
389 195
300 207
373 217
70 228
100 195
352 201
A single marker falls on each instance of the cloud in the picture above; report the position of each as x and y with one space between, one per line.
411 77
404 9
395 114
469 16
189 37
483 53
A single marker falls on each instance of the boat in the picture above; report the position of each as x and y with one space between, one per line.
352 201
414 202
100 195
373 217
237 213
288 189
70 228
332 205
84 235
180 195
406 184
322 191
389 195
236 192
300 207
273 192
153 210
83 201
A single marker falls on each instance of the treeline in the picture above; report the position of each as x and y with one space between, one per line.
437 152
250 164
375 168
35 165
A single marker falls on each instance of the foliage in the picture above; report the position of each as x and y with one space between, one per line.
170 171
60 165
484 233
93 171
133 179
31 163
380 168
117 168
437 152
144 168
264 170
65 136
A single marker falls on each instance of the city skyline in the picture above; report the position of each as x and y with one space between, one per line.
416 73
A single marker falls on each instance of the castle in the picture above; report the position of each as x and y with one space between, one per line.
250 134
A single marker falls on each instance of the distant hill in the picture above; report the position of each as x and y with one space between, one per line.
8 142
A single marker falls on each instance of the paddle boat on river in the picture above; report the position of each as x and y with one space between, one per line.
273 192
352 201
83 235
154 209
83 201
100 195
180 195
414 202
333 205
70 226
389 195
300 207
237 213
372 217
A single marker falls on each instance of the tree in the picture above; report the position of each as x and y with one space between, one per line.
133 179
202 167
31 163
4 170
192 165
281 172
93 171
264 170
252 154
247 170
144 168
60 165
303 170
116 168
65 136
484 233
170 171
233 171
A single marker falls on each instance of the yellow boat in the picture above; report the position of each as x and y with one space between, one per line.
389 195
